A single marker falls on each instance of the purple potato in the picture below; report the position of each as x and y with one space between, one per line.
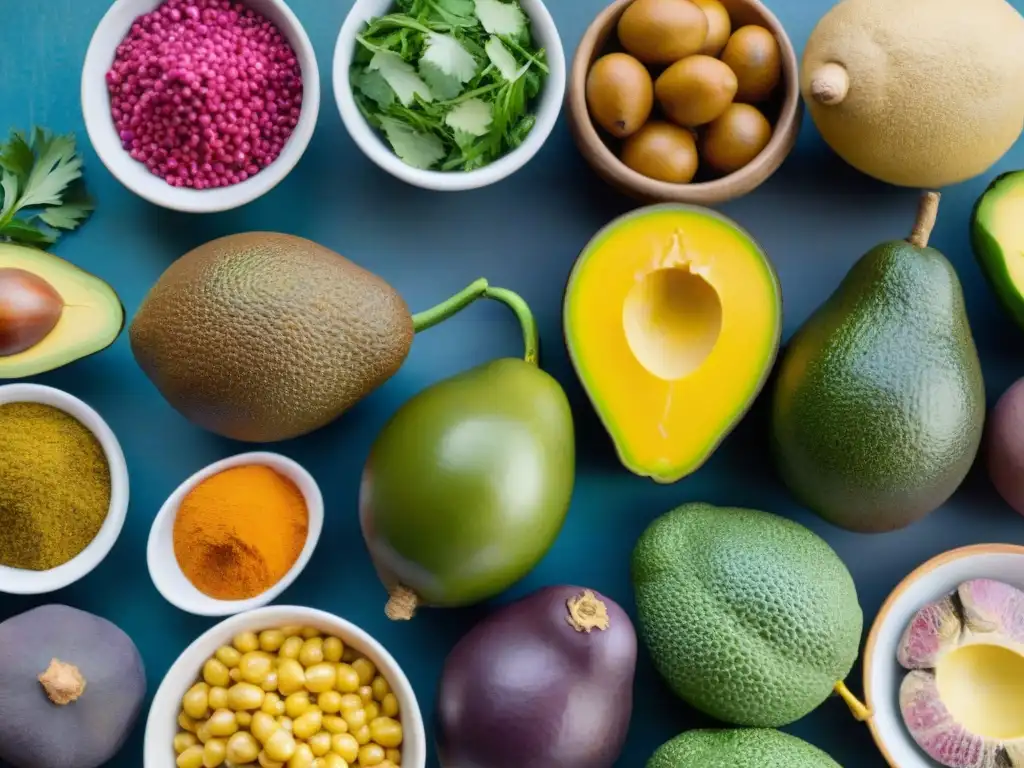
1006 446
544 681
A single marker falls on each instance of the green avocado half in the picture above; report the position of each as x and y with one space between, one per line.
51 312
997 236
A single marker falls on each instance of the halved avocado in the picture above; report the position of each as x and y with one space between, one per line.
997 236
672 320
51 312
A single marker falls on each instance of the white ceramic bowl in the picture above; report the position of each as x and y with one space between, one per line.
883 674
163 714
16 581
167 575
547 107
134 175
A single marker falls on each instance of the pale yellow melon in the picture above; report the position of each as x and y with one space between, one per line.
917 93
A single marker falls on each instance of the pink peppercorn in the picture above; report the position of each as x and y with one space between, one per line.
205 93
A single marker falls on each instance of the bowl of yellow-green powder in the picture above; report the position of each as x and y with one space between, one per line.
63 489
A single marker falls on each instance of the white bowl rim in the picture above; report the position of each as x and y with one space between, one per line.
17 581
167 575
927 569
99 126
549 106
189 663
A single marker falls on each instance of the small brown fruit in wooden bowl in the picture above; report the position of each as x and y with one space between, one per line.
733 86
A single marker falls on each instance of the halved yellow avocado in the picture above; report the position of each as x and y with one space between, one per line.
672 319
51 312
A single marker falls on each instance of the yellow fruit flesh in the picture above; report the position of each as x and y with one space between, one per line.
982 686
92 316
672 319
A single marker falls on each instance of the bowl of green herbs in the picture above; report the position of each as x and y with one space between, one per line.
449 94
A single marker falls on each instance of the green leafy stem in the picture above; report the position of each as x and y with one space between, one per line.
478 289
37 174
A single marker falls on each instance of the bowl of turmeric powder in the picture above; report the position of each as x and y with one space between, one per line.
236 534
63 489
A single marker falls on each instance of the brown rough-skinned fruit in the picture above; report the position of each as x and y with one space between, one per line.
620 94
263 337
696 90
735 138
1005 447
662 151
753 54
662 31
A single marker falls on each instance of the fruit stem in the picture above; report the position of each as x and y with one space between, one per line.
62 682
927 211
830 84
428 318
859 710
402 604
587 612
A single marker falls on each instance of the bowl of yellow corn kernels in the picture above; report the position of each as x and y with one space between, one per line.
285 687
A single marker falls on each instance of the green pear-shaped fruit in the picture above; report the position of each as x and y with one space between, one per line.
467 486
879 403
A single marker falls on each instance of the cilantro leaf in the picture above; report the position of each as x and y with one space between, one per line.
26 233
67 216
450 13
501 18
443 86
460 8
420 150
503 59
400 76
57 166
448 55
9 186
16 156
472 116
40 172
373 85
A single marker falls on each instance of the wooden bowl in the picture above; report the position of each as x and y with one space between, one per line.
600 150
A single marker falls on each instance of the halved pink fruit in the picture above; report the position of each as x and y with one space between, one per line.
963 700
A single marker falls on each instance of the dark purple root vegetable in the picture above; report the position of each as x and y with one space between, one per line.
71 688
545 681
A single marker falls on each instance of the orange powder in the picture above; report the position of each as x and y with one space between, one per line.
240 531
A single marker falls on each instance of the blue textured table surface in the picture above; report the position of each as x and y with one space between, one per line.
814 218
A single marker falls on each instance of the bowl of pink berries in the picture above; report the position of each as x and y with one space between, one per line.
200 105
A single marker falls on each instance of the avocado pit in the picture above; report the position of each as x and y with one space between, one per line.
672 318
961 700
30 309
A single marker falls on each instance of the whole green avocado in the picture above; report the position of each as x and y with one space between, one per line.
739 748
879 403
468 485
748 616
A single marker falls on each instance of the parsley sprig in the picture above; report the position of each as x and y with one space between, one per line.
449 82
39 196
